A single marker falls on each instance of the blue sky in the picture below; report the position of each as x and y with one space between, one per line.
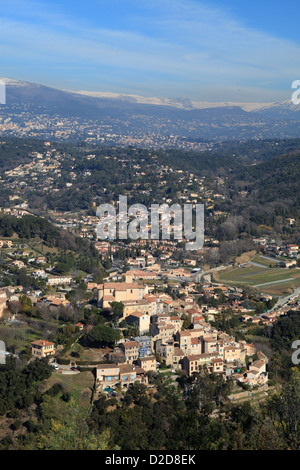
202 50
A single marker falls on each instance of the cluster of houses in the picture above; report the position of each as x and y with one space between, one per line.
268 318
159 321
162 339
139 299
272 248
183 350
12 294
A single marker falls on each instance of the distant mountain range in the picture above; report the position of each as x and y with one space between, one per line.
183 103
40 111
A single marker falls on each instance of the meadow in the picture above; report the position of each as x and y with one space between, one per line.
273 280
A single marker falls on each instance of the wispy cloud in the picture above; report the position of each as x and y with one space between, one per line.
180 46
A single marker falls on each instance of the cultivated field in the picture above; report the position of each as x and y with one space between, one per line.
273 280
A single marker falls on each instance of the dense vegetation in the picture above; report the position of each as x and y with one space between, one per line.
14 151
285 331
102 335
259 190
195 413
18 386
166 417
276 180
74 252
29 227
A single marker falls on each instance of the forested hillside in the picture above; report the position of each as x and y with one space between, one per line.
256 181
72 252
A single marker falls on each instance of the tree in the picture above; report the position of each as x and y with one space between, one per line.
98 274
16 425
102 335
38 370
18 387
14 306
26 305
285 331
284 410
66 428
117 311
276 362
186 321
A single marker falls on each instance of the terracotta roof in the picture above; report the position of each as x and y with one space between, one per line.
129 344
56 301
257 364
147 358
163 326
195 341
136 314
194 357
178 352
209 339
42 342
122 285
108 366
108 297
196 319
126 369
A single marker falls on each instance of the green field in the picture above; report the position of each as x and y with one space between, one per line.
263 261
274 280
79 385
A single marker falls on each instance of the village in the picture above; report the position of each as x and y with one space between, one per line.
150 229
174 312
165 306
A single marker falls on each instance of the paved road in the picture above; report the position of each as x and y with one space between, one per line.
270 259
258 265
64 368
275 282
284 300
210 271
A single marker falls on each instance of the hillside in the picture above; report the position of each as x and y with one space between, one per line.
112 119
71 252
276 179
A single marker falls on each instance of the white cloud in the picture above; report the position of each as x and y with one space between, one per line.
186 45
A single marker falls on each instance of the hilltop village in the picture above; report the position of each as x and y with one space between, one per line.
109 319
148 314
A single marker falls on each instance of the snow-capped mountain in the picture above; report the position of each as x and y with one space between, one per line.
135 116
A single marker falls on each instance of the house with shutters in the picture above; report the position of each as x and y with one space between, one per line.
130 350
147 363
140 321
110 375
42 348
